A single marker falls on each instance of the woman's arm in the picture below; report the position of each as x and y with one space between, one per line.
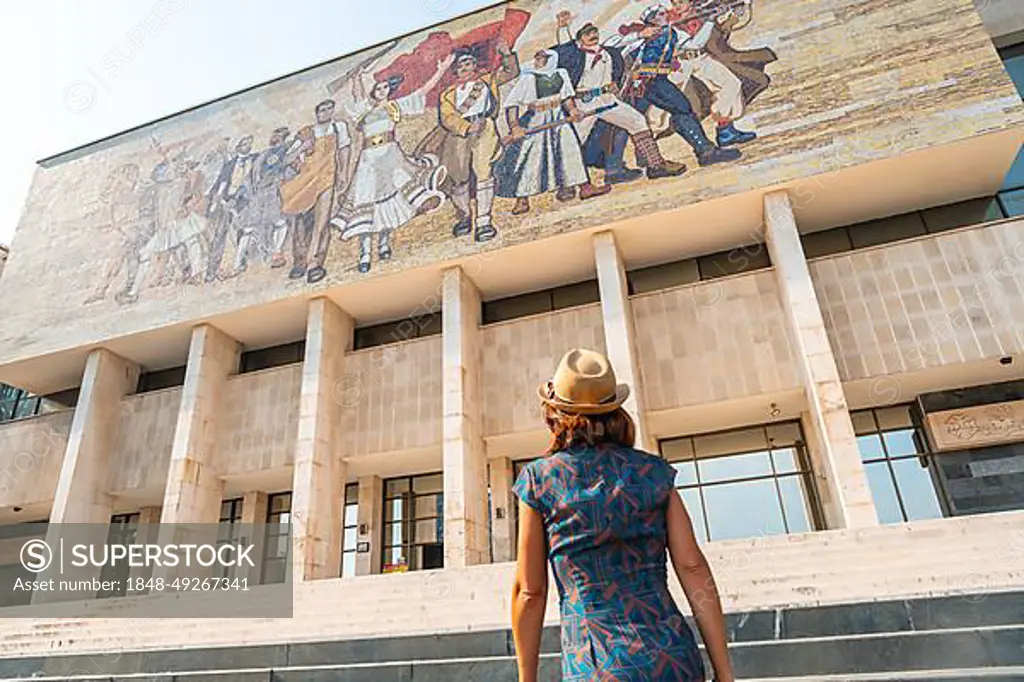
695 577
529 592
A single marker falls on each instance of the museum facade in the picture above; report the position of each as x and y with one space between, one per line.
325 304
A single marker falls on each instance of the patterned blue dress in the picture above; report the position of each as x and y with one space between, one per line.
604 514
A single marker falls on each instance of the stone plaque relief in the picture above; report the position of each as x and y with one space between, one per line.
510 125
976 427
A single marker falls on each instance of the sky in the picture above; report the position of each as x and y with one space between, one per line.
74 71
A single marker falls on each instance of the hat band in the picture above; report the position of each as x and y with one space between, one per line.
602 401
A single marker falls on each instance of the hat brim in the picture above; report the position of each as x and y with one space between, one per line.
621 394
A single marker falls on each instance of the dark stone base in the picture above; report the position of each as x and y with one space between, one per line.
951 633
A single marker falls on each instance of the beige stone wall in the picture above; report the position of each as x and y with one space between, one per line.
519 354
909 560
391 397
937 300
139 460
713 341
31 454
854 82
259 421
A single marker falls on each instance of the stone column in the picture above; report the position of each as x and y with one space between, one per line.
254 520
81 494
318 488
503 510
619 332
831 430
368 530
194 486
466 538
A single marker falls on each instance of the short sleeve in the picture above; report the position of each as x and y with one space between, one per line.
664 477
526 489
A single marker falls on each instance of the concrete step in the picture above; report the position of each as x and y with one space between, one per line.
975 632
503 670
968 653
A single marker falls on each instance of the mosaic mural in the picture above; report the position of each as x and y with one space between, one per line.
514 124
576 119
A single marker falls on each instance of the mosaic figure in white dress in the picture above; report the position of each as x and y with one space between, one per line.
389 188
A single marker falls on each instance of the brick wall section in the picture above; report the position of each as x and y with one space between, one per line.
938 300
260 420
392 397
713 341
883 562
519 354
144 441
31 453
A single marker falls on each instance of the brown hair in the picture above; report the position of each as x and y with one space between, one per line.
588 430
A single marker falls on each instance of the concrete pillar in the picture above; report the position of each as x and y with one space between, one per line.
503 510
254 520
831 429
194 487
830 508
318 488
466 538
81 494
370 519
619 332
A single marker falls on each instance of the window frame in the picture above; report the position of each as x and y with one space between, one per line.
924 456
804 473
1012 52
122 529
409 503
272 534
345 526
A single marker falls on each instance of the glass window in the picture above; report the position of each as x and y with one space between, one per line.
17 404
666 276
229 530
163 378
960 214
27 406
545 301
123 530
896 464
1013 201
413 528
1013 59
1012 196
399 330
276 547
274 356
350 532
886 230
517 306
734 261
826 242
429 325
745 482
571 295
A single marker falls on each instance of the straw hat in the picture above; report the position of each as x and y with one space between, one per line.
584 383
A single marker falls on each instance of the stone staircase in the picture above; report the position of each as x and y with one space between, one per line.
976 636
